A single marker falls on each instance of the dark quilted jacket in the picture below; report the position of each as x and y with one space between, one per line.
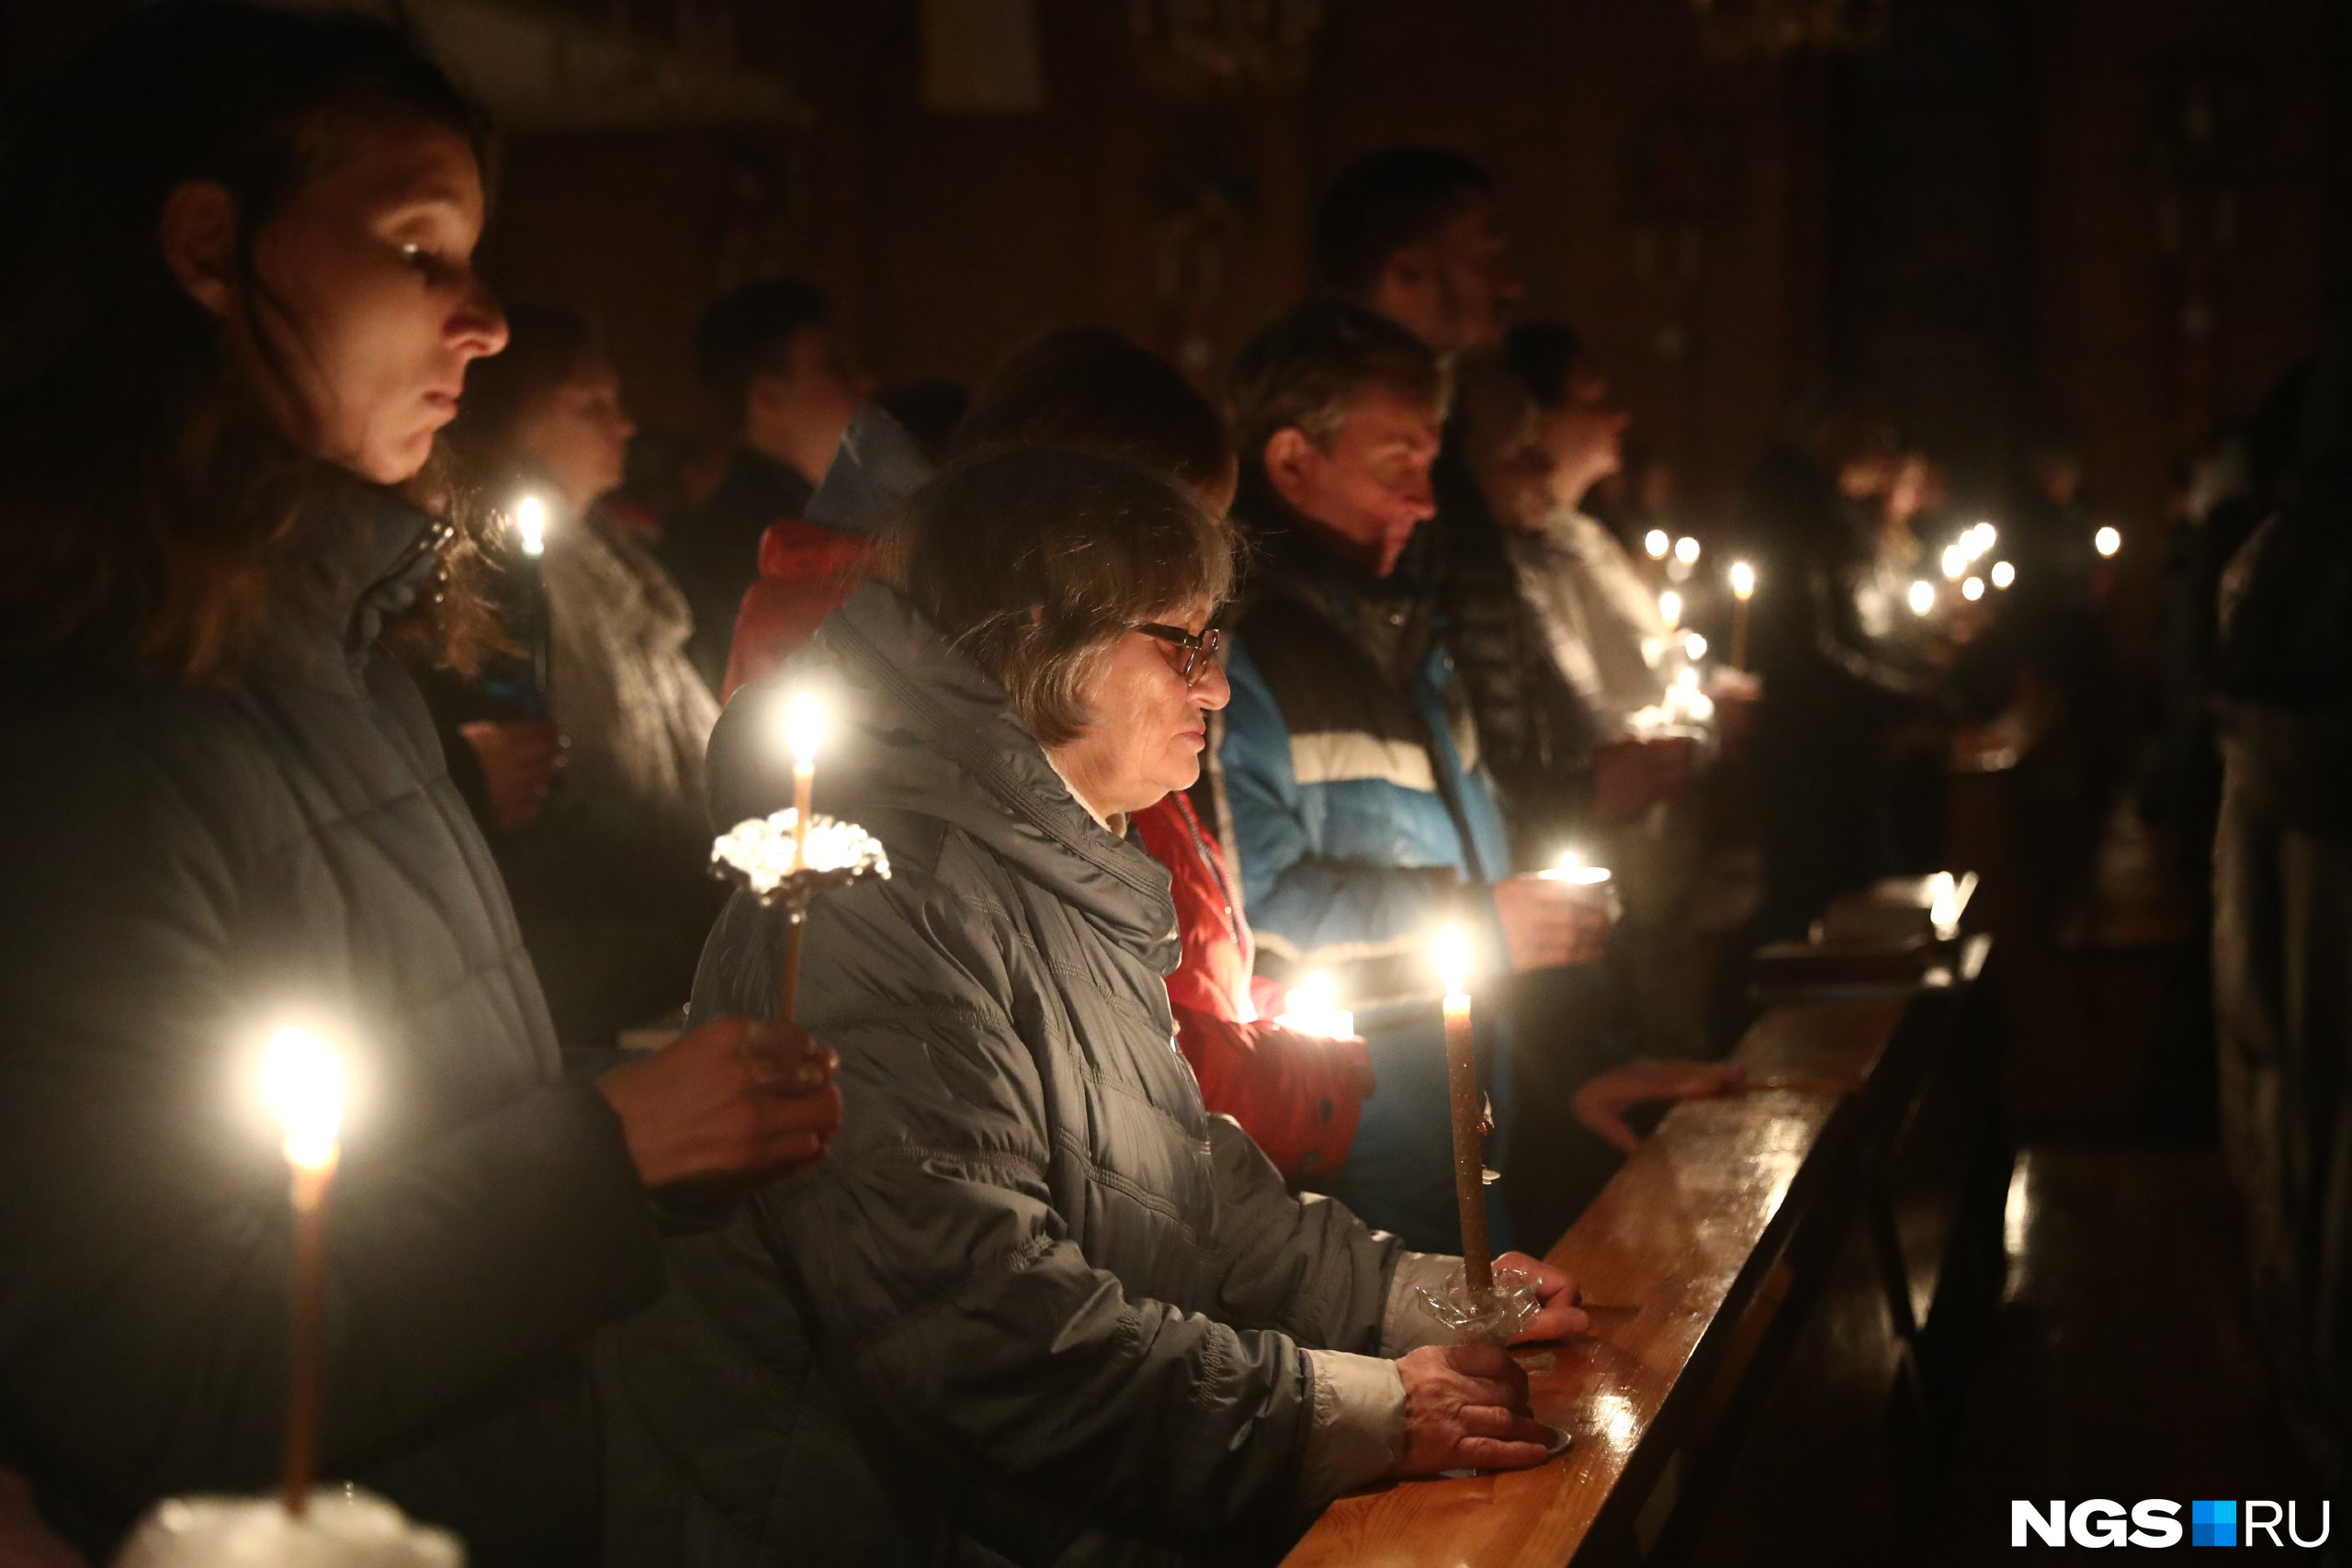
185 869
1037 1305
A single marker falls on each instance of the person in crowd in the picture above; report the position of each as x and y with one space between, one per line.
1539 429
1090 387
2282 887
1415 234
1361 815
775 361
238 301
1834 696
610 877
1039 1306
808 564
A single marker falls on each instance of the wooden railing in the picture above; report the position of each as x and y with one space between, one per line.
1848 1206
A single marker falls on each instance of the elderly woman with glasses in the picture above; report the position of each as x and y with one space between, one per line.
1039 1306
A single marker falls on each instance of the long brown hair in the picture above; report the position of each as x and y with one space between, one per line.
151 509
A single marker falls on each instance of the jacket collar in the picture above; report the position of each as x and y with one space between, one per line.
928 732
375 554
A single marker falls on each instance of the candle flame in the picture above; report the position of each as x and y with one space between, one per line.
804 727
1955 561
1694 646
1314 994
1453 954
2107 540
1686 550
1743 580
531 525
1669 607
1972 590
1657 544
2003 574
303 1081
1922 597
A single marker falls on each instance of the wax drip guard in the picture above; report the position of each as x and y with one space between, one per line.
1490 1317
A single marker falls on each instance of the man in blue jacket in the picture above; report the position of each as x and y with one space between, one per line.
1358 812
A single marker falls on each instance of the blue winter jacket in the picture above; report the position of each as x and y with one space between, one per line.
1362 822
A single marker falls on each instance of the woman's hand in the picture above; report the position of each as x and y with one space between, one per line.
519 758
736 1099
1556 1288
1602 1103
1465 1409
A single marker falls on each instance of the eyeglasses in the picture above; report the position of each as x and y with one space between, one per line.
1201 649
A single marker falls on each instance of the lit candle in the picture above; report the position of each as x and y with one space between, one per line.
1572 869
1462 1094
2108 541
1312 1008
531 534
1694 647
1669 609
1955 562
2003 574
1743 588
1972 588
1686 550
303 1081
531 525
1657 544
804 727
1922 597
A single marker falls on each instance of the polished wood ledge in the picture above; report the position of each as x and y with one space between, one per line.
1703 1261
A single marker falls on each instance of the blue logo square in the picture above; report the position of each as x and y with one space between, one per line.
2214 1524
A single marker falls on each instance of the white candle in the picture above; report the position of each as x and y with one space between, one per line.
1571 868
531 525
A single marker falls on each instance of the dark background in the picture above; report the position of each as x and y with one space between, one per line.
2106 223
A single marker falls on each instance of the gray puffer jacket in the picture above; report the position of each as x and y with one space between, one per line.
182 868
1037 1305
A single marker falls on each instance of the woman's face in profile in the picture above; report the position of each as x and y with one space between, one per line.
1148 728
368 301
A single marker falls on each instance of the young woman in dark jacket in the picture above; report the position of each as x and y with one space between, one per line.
236 305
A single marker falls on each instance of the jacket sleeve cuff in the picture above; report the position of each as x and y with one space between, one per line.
1357 1430
1405 1325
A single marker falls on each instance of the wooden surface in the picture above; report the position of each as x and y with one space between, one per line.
1690 1224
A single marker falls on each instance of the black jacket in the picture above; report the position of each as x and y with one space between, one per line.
1534 733
185 869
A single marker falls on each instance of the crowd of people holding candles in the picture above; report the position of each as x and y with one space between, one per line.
629 1021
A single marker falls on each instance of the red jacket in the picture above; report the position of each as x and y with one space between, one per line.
805 571
1297 1097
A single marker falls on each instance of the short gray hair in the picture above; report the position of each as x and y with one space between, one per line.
1034 560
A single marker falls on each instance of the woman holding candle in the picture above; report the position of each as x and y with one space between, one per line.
1298 1097
610 878
236 306
1039 1304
